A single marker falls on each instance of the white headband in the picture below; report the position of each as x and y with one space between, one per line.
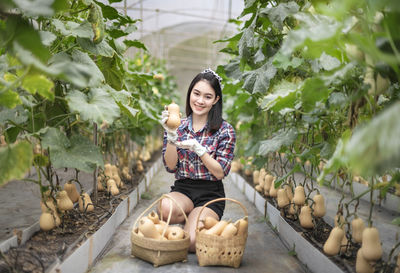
209 70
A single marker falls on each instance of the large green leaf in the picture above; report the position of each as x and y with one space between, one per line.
40 7
313 91
102 48
83 61
15 161
279 13
315 28
135 43
74 29
257 81
283 61
97 106
375 148
37 83
282 96
47 37
283 138
17 115
9 99
77 152
328 62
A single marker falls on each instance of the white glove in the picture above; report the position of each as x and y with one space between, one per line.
192 145
172 135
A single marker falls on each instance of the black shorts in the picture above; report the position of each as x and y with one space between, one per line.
202 191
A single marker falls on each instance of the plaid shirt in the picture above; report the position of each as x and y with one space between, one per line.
220 146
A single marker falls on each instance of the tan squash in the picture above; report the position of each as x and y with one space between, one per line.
293 208
339 220
256 175
344 244
362 265
175 233
72 192
371 244
305 217
289 191
209 222
139 166
229 231
259 188
268 179
63 201
242 226
46 221
235 166
85 203
357 228
282 198
217 228
50 205
108 170
153 216
114 190
299 197
117 180
174 118
261 176
333 243
100 186
149 230
273 192
319 206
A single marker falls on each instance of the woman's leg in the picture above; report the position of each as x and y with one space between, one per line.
177 217
190 227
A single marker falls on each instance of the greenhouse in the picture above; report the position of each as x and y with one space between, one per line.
199 136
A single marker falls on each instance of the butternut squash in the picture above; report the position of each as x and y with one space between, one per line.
242 226
139 166
63 201
371 247
333 243
357 228
256 175
292 209
344 244
149 230
46 221
85 203
117 180
259 188
209 222
289 192
268 179
229 231
153 216
72 192
261 176
272 190
50 205
299 197
282 198
362 265
217 228
174 118
339 220
319 206
305 217
175 233
100 186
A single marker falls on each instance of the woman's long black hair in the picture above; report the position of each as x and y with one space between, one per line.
215 114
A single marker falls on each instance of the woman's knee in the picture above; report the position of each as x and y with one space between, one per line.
176 215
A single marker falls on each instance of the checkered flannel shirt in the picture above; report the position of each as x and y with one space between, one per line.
220 146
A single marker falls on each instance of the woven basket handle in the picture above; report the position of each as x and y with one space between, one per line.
170 211
217 200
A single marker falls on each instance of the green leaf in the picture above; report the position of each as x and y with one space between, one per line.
283 61
128 111
97 106
246 43
47 37
313 91
232 69
17 115
112 14
257 81
15 161
10 99
78 152
282 96
74 29
37 83
279 13
36 7
283 138
315 28
328 62
135 43
102 48
88 66
375 148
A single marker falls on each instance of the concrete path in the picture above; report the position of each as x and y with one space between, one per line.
264 251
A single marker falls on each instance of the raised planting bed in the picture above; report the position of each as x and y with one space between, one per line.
75 245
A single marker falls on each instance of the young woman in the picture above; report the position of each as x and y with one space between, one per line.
199 152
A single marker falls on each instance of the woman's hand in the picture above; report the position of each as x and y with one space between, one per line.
172 135
192 145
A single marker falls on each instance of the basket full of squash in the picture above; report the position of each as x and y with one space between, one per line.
221 242
157 242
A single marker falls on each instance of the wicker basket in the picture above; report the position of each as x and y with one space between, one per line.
216 250
159 252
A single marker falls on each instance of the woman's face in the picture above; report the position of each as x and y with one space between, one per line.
202 98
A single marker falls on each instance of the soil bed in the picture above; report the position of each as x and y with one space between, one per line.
43 248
